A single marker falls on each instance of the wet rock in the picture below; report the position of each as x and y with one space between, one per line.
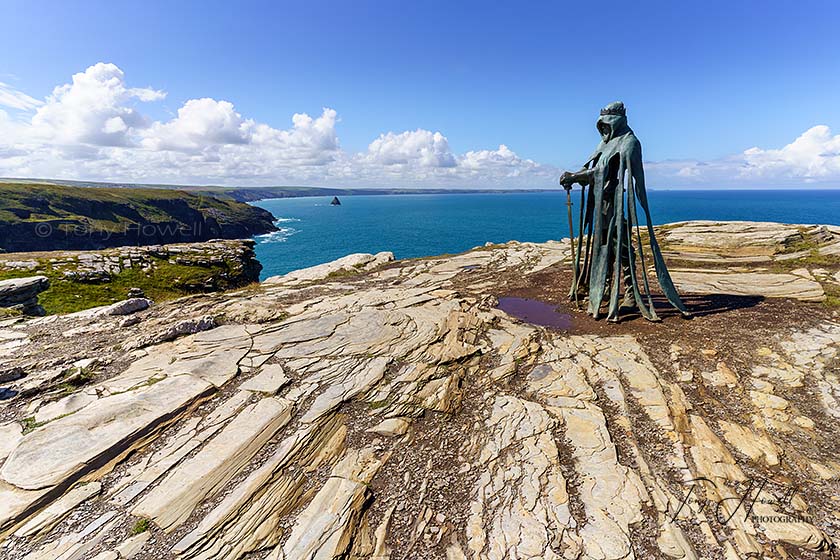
11 374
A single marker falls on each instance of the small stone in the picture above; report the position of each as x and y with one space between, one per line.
391 427
127 306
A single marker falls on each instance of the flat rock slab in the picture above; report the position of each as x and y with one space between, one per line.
63 407
20 289
127 306
747 284
53 513
10 435
356 262
269 380
730 235
173 500
79 443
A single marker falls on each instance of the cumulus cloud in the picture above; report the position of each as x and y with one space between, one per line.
93 109
200 123
421 148
502 160
93 128
813 156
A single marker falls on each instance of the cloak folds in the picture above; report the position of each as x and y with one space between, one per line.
610 241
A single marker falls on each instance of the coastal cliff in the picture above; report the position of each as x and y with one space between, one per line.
43 217
371 408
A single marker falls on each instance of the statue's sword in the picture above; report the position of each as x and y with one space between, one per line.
572 241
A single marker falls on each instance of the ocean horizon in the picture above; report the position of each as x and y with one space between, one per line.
311 231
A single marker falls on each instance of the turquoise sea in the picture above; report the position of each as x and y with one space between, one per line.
312 231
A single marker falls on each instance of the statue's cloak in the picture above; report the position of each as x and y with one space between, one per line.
610 227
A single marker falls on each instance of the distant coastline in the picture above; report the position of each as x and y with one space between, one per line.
251 194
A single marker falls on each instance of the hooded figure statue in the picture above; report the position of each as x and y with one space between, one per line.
609 241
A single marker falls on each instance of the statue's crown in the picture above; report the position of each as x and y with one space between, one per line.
616 108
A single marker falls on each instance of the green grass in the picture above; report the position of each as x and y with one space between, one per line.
44 217
28 424
108 209
141 526
832 295
166 281
343 273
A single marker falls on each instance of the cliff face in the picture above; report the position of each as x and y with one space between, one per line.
391 410
37 217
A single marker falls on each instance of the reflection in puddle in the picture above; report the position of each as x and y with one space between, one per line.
535 312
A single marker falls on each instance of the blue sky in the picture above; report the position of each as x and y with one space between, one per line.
703 83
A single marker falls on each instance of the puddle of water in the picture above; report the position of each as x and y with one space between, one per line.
470 267
535 312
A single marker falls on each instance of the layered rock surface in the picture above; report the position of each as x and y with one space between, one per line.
21 294
396 413
764 259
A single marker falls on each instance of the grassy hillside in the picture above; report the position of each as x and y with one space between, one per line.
48 217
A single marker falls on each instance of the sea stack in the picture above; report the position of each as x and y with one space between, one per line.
335 201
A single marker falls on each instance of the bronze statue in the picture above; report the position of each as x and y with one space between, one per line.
609 240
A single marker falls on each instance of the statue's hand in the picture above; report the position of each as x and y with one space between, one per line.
567 180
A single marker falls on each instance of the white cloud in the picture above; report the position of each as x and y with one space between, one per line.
94 128
11 97
813 156
93 109
421 148
200 123
503 161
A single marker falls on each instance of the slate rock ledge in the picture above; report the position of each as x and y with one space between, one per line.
393 412
21 294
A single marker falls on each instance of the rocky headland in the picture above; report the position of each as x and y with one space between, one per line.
379 409
47 217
